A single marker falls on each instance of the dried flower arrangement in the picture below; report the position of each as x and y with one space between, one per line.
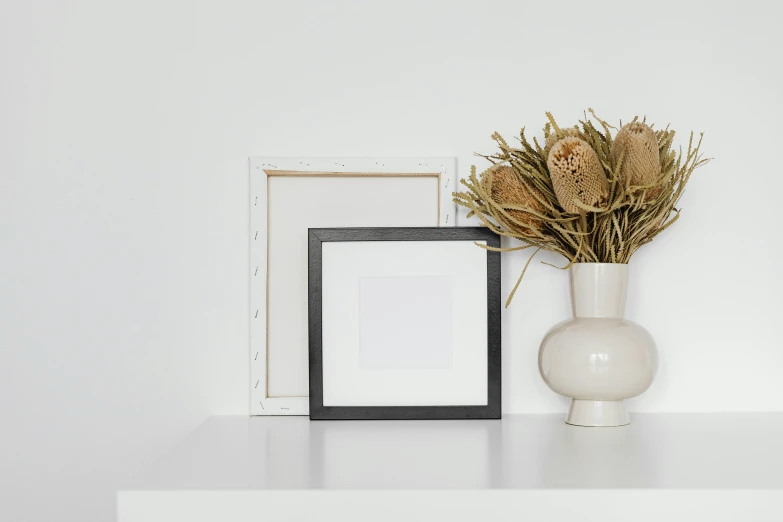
587 195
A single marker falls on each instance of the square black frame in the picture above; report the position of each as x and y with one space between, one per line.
317 236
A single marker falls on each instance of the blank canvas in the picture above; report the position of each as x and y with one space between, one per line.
287 197
297 203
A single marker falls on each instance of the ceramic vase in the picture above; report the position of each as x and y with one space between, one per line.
598 358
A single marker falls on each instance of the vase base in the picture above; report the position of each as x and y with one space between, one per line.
597 413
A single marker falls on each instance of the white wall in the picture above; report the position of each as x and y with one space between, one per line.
124 133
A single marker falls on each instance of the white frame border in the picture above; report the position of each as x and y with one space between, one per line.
445 169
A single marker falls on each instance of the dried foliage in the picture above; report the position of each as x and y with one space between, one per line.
585 195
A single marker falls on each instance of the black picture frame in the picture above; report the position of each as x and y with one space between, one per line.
318 236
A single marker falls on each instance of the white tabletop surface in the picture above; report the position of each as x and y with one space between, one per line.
657 451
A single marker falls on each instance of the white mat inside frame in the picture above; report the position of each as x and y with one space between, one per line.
290 195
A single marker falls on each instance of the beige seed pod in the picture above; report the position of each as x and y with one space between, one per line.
508 189
568 132
641 162
577 174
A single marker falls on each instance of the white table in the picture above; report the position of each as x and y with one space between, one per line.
694 467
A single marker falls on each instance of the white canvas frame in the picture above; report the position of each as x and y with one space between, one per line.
260 169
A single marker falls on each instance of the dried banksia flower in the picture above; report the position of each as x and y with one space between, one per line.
600 221
568 132
641 163
577 174
507 189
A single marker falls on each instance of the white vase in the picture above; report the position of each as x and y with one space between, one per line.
597 357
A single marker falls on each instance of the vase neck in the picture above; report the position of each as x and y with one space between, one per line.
599 289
